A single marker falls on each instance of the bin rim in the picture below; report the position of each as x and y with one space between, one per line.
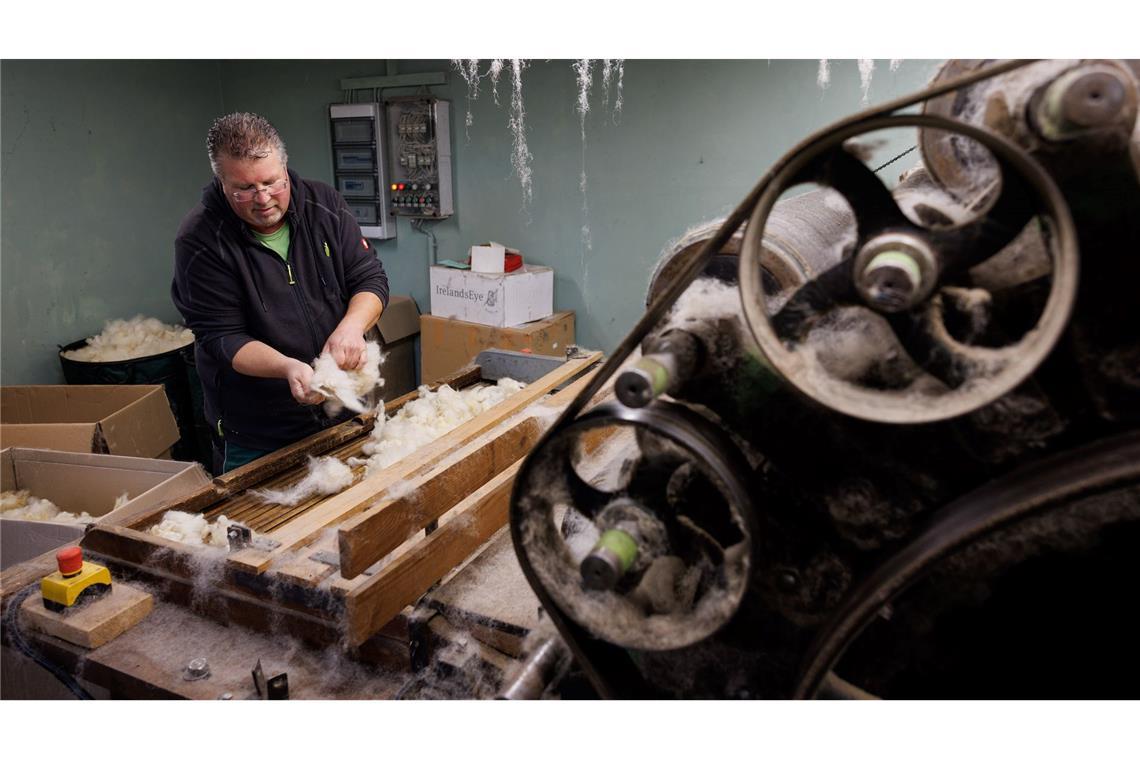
83 342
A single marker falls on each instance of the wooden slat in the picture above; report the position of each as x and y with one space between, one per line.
132 545
357 498
289 457
367 537
196 501
474 520
305 572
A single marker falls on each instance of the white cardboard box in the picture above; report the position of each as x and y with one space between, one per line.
84 483
499 300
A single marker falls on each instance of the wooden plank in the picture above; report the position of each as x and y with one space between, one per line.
94 623
198 501
282 460
473 521
367 537
305 572
306 528
490 597
132 545
343 586
289 457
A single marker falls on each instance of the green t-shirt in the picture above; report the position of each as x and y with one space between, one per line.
278 241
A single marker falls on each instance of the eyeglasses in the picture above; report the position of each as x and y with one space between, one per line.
245 196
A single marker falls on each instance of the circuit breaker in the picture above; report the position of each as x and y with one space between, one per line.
360 166
419 130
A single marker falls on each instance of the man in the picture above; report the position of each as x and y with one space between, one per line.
270 271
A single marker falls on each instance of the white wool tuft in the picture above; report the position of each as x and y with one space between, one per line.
131 339
400 490
347 388
706 299
192 529
430 416
21 505
327 475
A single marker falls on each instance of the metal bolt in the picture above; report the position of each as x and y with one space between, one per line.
197 669
895 271
788 580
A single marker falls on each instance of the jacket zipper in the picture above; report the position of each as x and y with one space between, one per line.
295 219
301 302
313 243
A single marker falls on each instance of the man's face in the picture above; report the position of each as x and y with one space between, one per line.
263 212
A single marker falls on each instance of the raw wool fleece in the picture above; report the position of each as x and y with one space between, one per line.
347 389
430 416
327 475
21 505
132 339
192 529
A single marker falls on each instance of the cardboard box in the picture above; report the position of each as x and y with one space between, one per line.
490 257
84 483
447 345
399 324
499 300
129 420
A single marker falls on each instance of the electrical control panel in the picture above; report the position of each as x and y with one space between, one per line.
419 130
360 166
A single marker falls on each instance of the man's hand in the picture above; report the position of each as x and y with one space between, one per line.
346 345
299 375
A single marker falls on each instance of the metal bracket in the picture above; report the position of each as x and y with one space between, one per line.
238 536
276 687
396 80
331 559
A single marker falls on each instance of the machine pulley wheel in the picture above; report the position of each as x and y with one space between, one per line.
660 494
899 277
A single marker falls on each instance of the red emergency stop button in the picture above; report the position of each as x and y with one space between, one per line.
70 560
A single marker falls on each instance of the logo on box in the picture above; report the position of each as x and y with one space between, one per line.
467 294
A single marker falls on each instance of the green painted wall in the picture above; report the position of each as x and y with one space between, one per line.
96 163
691 140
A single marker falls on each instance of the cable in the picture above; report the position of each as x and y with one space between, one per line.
14 635
418 226
909 150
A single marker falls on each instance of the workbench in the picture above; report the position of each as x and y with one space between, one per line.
343 612
466 633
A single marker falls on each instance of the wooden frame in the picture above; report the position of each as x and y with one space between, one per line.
462 479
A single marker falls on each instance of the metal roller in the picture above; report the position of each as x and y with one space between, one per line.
797 245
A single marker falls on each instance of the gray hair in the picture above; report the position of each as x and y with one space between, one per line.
242 136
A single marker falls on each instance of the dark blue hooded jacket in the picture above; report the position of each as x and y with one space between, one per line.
231 290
